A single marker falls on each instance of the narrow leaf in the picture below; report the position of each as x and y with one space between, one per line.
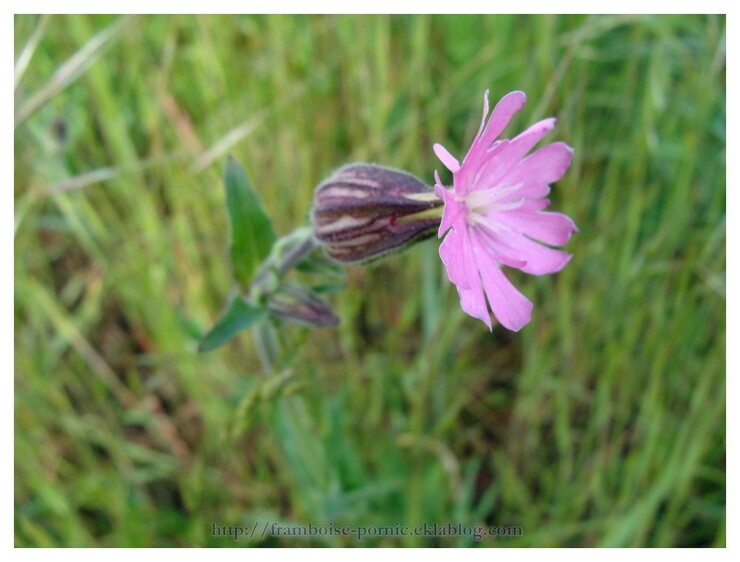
237 316
252 234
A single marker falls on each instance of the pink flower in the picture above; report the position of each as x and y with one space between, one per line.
493 214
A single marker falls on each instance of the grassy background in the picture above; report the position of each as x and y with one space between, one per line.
600 424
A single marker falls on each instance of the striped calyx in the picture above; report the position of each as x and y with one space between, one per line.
298 304
364 211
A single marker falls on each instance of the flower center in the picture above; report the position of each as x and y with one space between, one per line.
484 202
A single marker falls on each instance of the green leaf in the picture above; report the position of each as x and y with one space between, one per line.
237 316
252 234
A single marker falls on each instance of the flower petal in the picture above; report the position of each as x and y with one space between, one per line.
508 153
466 177
447 159
505 241
525 141
545 165
473 302
551 228
533 205
485 114
452 212
497 251
483 119
540 259
533 175
472 299
502 114
512 309
451 252
457 256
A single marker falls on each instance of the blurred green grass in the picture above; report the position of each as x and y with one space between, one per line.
600 424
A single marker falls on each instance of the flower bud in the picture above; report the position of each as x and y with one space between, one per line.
364 211
299 304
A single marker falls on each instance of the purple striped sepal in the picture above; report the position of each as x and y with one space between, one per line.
364 211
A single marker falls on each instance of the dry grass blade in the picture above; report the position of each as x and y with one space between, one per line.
72 68
21 63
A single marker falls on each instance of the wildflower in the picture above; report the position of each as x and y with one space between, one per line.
493 214
364 211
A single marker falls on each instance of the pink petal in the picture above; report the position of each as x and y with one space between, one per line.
546 165
492 163
527 190
533 205
525 141
540 259
438 184
537 171
497 251
465 178
512 309
550 228
483 119
509 152
457 256
473 302
502 114
451 251
452 211
447 159
472 299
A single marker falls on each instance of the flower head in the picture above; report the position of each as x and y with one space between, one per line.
493 215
